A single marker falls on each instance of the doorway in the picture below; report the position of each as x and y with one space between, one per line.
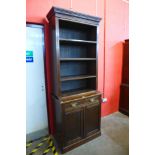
36 110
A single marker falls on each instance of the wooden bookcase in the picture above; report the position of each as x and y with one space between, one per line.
74 44
124 87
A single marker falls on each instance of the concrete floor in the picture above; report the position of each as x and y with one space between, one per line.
113 141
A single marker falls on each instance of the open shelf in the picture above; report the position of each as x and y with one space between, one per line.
69 87
75 91
69 50
77 44
77 68
69 78
77 59
76 31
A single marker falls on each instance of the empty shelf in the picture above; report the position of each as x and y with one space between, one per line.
75 91
67 78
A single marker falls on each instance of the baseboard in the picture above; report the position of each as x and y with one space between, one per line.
83 141
124 111
37 134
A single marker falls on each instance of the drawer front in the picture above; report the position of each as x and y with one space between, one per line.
73 106
92 101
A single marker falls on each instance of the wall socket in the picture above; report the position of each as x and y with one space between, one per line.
104 100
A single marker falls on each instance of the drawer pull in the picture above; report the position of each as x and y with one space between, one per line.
74 105
92 100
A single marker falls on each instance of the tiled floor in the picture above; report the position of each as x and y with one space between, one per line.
113 141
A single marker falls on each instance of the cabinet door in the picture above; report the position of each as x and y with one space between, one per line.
92 116
73 124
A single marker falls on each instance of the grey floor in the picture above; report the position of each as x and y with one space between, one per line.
113 141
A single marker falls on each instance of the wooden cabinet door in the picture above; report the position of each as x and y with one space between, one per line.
92 116
73 125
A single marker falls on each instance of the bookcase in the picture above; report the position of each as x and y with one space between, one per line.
73 44
124 87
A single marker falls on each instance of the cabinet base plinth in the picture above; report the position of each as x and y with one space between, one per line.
78 143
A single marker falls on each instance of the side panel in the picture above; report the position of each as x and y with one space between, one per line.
54 48
124 99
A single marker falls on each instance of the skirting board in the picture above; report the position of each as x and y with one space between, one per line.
37 134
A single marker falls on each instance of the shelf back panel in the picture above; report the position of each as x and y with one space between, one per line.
77 51
74 68
77 85
71 30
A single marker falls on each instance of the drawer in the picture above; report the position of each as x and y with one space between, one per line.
82 103
74 105
93 100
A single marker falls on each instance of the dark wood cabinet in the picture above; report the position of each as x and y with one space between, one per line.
77 103
124 88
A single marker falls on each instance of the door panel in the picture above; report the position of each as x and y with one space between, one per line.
92 117
73 125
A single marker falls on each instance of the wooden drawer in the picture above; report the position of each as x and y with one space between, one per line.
92 101
73 105
82 103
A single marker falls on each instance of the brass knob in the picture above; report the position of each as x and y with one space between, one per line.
92 100
74 104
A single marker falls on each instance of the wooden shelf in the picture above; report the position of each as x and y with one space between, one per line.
75 91
77 59
68 78
77 41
